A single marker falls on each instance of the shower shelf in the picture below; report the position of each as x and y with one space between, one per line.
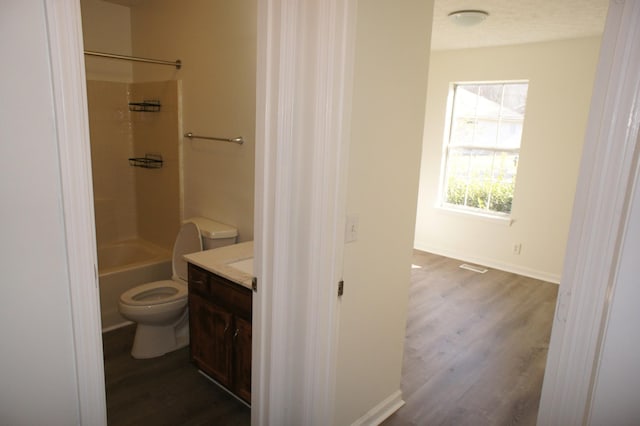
145 106
149 161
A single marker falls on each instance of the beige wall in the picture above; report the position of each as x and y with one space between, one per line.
106 27
157 190
114 191
392 48
216 41
130 201
561 76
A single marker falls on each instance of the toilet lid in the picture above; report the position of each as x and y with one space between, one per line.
187 241
154 293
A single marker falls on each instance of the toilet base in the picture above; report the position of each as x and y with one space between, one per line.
152 341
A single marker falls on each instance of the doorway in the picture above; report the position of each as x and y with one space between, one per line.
88 372
138 115
532 239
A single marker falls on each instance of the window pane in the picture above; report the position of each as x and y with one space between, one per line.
486 132
481 179
483 150
491 98
462 131
510 134
458 163
515 99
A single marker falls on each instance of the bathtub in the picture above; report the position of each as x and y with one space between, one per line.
123 265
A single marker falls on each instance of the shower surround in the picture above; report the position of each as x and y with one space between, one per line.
133 205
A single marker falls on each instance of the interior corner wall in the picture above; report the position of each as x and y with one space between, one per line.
216 42
561 76
389 90
106 27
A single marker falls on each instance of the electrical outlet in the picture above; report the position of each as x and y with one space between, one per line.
517 248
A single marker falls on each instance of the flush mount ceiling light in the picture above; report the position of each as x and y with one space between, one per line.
468 18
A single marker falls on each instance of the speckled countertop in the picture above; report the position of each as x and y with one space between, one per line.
218 260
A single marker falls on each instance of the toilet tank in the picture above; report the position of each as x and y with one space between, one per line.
214 234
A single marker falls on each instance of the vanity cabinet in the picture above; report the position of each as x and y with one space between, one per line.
220 330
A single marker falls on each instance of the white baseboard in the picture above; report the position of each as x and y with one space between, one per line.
382 411
491 263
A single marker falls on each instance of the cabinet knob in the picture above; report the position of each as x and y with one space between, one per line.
235 335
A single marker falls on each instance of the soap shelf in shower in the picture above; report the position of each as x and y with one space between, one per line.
145 106
149 161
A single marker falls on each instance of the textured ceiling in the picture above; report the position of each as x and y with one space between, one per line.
517 22
509 21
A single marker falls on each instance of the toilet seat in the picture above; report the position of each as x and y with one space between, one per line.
154 293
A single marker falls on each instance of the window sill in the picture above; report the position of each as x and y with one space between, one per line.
498 220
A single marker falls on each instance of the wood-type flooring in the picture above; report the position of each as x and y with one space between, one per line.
474 354
476 346
162 391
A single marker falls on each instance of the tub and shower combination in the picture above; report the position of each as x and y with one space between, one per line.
123 265
136 203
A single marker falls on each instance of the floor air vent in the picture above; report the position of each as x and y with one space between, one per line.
474 268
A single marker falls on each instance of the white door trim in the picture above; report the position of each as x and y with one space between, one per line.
308 140
305 52
599 217
72 127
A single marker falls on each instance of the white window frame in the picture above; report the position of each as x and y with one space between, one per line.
442 204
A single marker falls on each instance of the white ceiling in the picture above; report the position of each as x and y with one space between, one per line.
509 21
517 22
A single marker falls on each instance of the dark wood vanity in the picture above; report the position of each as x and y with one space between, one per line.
220 330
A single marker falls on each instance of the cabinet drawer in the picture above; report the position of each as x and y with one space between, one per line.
198 279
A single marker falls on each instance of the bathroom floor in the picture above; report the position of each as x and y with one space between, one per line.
162 391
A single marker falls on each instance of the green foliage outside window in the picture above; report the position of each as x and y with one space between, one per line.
494 196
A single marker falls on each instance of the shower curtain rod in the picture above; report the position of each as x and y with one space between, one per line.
177 63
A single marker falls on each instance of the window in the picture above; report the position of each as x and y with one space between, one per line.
481 155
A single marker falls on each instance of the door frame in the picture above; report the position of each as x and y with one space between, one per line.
305 61
605 183
594 243
64 31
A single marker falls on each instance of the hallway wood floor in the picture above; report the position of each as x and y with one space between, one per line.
476 346
162 391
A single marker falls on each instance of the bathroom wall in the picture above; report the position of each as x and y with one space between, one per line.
157 190
561 76
130 202
216 41
133 202
106 27
114 186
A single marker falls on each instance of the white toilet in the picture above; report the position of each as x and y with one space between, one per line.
160 307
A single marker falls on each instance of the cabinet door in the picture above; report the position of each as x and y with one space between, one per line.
242 359
211 331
